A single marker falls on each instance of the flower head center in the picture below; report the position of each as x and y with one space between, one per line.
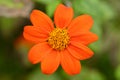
58 39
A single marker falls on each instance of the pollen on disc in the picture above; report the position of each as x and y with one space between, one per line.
58 39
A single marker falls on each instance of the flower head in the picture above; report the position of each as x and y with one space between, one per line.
63 44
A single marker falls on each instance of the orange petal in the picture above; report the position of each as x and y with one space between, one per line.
39 19
81 23
84 37
79 51
51 62
63 16
34 35
38 52
70 64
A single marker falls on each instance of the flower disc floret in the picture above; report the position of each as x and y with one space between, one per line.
58 39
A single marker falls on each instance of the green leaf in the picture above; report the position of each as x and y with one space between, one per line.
11 4
100 11
7 25
117 72
96 8
37 75
50 8
44 1
88 74
96 46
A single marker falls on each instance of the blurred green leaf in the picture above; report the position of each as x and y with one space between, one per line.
100 11
11 3
5 77
88 74
44 1
7 25
23 51
117 72
118 55
50 8
37 75
96 46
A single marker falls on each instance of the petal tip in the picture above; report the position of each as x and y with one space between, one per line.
60 20
31 59
34 11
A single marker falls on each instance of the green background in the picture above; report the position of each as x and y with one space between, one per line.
104 65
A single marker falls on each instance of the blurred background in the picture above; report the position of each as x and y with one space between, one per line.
104 65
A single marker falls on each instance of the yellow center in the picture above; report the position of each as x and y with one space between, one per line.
58 39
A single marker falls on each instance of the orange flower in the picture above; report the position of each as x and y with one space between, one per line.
65 44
